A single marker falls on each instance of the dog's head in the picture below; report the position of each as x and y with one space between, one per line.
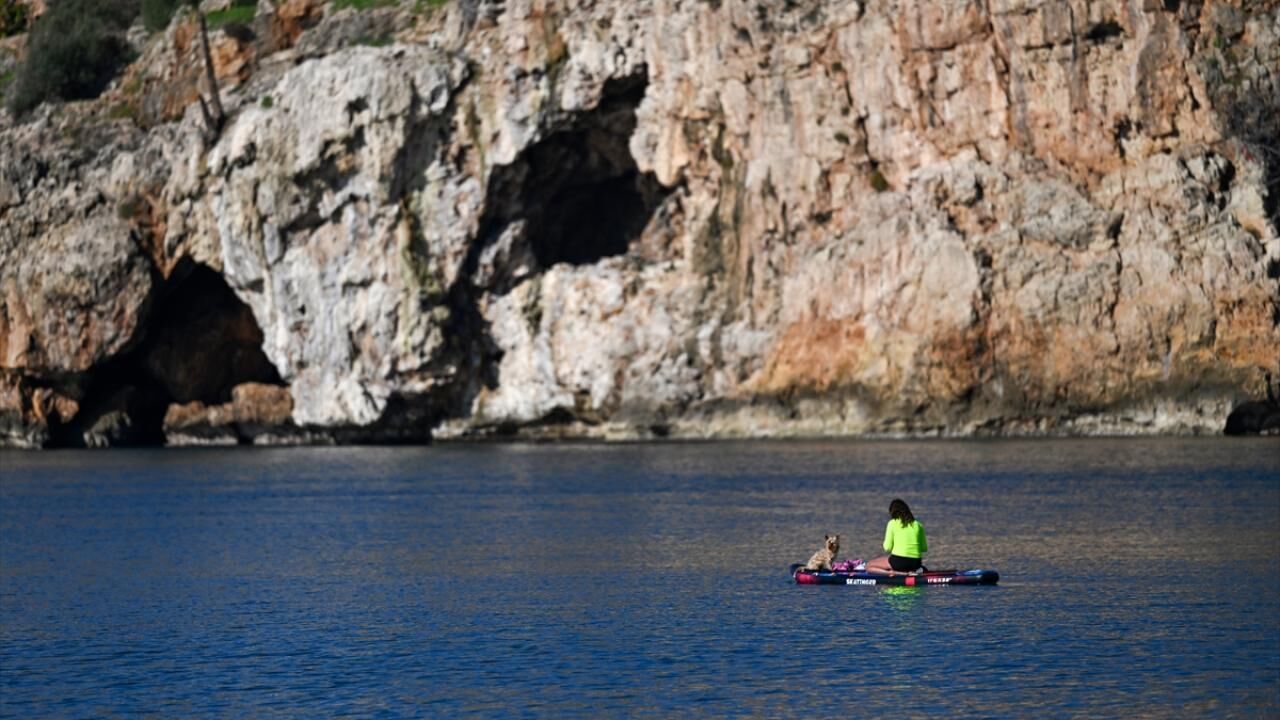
833 543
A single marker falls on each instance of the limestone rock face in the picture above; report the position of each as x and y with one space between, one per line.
315 205
672 218
74 300
90 213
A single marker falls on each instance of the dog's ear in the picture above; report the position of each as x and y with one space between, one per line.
826 536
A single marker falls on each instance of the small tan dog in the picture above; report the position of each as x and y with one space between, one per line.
822 559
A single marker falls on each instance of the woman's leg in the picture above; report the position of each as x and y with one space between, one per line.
880 564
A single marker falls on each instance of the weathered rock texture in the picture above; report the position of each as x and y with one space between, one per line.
257 414
667 218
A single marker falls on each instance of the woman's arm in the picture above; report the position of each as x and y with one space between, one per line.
924 544
888 537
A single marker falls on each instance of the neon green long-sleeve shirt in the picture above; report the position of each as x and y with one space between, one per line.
906 541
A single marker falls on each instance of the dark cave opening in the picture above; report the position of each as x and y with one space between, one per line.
199 342
577 196
202 341
120 405
1104 31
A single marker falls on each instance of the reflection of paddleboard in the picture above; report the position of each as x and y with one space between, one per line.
933 577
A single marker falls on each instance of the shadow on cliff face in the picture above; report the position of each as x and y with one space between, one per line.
576 196
1245 93
199 342
1257 417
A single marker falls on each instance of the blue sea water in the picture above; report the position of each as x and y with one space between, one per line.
1138 577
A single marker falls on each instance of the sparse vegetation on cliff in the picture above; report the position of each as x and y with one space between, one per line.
239 12
361 4
156 14
5 79
75 50
14 18
878 181
79 46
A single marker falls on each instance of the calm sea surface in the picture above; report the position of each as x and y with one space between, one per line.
1138 577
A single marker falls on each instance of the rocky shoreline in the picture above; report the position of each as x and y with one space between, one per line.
667 219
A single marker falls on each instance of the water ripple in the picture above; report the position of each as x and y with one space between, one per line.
643 581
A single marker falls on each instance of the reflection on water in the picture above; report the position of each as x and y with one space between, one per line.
900 599
644 580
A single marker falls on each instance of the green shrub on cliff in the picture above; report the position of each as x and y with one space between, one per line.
879 182
5 78
156 14
74 50
13 18
361 4
239 12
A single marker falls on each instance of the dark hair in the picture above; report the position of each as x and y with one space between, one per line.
898 510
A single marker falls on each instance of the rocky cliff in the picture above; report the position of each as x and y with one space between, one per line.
671 218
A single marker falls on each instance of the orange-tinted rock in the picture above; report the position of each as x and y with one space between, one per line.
262 404
291 18
28 414
232 58
819 356
255 409
73 298
170 77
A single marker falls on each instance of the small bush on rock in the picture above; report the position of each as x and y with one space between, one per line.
878 181
6 78
241 32
14 18
156 14
74 51
361 4
239 12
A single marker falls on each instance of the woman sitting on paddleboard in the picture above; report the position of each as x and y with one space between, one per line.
903 540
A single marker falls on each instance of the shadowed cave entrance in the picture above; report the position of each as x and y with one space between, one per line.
576 196
199 342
